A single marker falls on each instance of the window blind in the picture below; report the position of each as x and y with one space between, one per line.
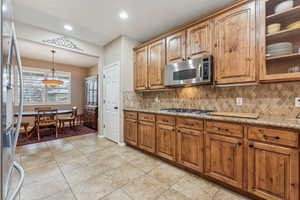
36 93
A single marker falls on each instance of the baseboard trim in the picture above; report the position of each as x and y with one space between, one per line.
122 144
101 136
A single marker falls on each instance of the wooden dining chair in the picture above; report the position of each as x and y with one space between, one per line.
71 119
46 118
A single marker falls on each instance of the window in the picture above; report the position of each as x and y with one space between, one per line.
36 93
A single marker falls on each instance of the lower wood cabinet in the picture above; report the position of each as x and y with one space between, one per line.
146 136
224 159
262 161
130 131
273 171
166 141
190 148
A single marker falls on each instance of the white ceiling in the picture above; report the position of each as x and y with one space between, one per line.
98 22
29 49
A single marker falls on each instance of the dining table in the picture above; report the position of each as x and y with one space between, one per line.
34 113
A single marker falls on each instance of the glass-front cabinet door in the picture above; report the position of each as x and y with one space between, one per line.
280 20
91 90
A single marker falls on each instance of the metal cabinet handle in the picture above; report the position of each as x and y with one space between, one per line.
223 129
189 124
271 137
20 170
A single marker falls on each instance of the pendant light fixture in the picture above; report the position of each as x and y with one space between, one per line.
53 81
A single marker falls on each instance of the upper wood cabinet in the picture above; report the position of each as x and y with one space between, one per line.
156 64
273 171
278 65
176 47
224 159
199 41
141 65
235 49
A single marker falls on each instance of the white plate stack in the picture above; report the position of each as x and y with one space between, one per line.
280 48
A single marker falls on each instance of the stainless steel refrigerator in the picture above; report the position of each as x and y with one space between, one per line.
11 87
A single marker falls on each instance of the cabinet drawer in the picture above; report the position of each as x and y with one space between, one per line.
274 136
224 128
163 119
131 115
146 117
190 123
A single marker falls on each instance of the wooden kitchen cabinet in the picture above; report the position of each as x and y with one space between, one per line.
199 41
190 148
146 136
156 64
141 65
273 171
235 49
176 47
224 159
130 132
166 141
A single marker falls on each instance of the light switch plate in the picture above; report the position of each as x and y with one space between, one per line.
297 101
239 101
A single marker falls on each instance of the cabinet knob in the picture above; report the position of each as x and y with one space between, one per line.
239 143
189 58
251 145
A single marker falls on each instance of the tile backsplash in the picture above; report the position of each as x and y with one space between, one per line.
276 99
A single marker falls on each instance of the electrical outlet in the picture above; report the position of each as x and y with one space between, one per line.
157 100
297 101
239 101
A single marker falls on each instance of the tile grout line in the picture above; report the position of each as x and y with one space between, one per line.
63 175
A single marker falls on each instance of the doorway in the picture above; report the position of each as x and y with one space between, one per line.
111 101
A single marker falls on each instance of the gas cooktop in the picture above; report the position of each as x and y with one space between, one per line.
192 111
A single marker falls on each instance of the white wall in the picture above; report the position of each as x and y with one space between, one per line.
118 50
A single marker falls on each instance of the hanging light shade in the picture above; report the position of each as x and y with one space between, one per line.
53 81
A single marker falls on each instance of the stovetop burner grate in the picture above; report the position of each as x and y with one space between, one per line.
183 110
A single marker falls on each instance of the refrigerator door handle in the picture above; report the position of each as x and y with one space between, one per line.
20 73
20 170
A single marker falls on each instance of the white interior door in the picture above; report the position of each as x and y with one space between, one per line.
111 101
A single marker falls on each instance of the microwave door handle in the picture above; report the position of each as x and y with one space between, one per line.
201 71
20 73
21 172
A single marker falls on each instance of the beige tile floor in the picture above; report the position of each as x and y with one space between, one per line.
92 168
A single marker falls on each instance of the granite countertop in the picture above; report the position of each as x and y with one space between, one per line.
267 121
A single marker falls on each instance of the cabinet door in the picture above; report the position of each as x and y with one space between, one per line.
146 136
235 45
141 77
176 47
273 171
224 159
199 40
156 64
190 148
165 141
130 131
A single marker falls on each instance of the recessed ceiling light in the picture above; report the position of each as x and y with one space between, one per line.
123 15
68 27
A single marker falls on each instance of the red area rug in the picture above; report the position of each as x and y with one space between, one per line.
46 135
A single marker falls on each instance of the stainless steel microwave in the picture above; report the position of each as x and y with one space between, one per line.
191 72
